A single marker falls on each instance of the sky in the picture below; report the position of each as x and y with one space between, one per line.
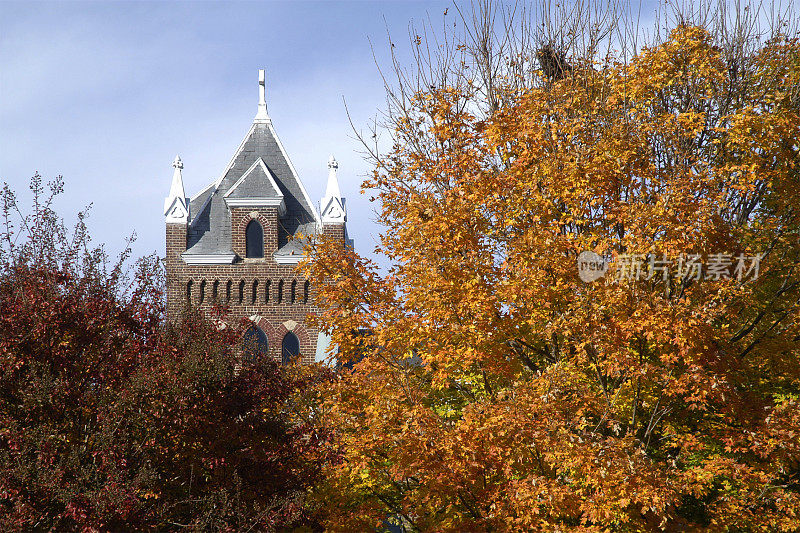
107 93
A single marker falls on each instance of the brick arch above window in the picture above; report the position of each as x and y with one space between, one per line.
302 335
275 333
254 240
273 336
240 232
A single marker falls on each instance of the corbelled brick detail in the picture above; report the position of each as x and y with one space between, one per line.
254 284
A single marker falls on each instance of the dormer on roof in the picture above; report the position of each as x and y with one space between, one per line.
260 174
256 188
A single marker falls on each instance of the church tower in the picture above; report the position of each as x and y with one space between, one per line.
238 241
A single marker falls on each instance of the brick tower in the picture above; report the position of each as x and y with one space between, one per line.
238 242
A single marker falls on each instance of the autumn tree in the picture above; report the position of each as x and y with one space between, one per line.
113 420
496 389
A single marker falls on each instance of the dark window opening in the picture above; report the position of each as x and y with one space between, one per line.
293 294
189 292
306 291
254 343
267 287
290 348
215 290
228 291
254 297
241 292
254 239
280 291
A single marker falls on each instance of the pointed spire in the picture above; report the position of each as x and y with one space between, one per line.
333 182
332 206
177 179
176 205
262 116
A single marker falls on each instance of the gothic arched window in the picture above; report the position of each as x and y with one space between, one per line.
254 342
290 348
254 239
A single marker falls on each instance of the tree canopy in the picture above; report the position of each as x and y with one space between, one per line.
113 420
496 389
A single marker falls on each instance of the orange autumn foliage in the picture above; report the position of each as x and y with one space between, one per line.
493 389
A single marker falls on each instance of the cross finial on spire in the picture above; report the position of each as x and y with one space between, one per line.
332 162
177 163
262 116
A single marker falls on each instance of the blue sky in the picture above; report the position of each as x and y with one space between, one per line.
107 94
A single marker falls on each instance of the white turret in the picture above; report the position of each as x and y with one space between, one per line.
332 205
176 205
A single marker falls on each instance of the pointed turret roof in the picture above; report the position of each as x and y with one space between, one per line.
176 206
260 171
332 206
332 188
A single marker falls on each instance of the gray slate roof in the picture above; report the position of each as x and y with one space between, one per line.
296 245
210 226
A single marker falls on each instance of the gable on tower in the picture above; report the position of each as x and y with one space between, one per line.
260 173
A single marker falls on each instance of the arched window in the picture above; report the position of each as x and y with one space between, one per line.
290 348
254 239
215 291
280 291
306 291
228 291
293 294
202 292
254 296
241 292
189 292
254 343
267 287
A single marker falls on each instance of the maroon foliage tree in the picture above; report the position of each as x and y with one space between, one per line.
112 419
